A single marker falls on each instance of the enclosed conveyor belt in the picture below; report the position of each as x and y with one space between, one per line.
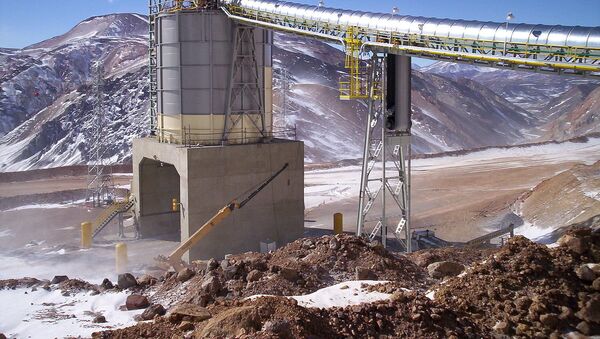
555 49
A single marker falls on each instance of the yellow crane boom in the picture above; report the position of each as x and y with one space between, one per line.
174 258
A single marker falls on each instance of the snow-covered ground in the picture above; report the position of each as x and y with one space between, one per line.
335 184
46 206
49 314
340 295
532 231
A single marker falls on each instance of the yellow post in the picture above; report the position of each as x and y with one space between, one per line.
338 223
86 234
121 257
175 206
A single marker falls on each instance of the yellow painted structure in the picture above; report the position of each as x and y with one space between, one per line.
121 260
86 234
338 223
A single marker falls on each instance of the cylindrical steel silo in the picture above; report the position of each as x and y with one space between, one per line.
195 54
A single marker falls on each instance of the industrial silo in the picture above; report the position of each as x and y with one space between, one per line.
210 137
206 69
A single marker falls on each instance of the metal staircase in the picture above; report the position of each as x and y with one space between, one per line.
110 213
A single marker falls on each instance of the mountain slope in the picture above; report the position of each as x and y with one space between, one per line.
582 117
531 91
570 197
45 93
46 99
448 114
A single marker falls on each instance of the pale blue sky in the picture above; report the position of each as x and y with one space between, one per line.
25 22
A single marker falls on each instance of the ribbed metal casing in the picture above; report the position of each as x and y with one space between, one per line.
194 59
555 35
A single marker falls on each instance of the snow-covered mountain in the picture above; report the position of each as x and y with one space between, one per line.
46 98
448 114
528 90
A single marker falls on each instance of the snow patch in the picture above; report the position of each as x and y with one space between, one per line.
45 206
532 231
339 295
49 314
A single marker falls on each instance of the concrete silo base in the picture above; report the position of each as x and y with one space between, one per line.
204 179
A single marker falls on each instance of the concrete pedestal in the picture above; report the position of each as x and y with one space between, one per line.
204 179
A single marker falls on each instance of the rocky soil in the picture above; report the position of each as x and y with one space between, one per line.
530 290
521 290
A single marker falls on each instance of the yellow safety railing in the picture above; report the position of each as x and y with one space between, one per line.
113 208
357 85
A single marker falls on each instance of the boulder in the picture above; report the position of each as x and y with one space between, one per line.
107 284
585 272
443 269
212 264
185 326
58 279
362 273
377 246
254 275
185 275
596 284
590 312
211 285
577 245
230 272
308 244
231 323
334 244
126 280
550 320
189 312
501 327
281 327
289 274
100 319
136 302
584 328
152 311
147 280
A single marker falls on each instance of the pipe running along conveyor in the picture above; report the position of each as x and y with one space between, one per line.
571 50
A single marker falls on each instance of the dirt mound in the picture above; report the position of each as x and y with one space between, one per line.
466 256
301 267
408 314
529 289
522 290
160 328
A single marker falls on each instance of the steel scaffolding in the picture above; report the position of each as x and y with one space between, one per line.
385 168
100 187
154 8
244 83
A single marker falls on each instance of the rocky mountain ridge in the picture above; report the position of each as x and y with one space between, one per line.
46 99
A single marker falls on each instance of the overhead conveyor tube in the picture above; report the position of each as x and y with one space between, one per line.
559 49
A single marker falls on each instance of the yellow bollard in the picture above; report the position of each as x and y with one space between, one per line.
121 257
86 234
175 206
338 223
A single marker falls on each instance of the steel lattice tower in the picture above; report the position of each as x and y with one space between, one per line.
386 168
100 188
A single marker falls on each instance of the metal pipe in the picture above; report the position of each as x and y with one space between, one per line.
282 28
442 28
